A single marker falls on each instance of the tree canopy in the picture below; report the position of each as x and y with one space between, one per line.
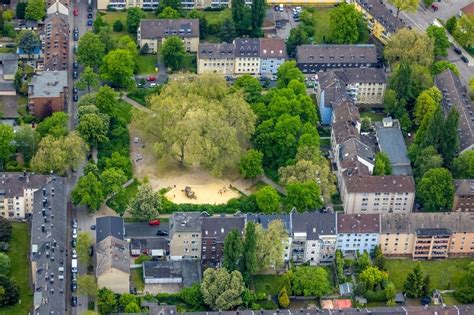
382 165
35 10
222 290
405 5
208 128
465 290
88 192
440 39
304 196
232 250
416 282
6 144
346 25
411 46
436 190
117 68
173 53
463 165
270 245
146 205
90 50
310 281
134 15
251 164
268 200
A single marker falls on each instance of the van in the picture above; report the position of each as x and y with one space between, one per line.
74 265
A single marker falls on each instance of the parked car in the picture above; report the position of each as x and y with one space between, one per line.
74 301
151 78
152 84
74 233
93 227
91 251
75 97
89 15
75 64
76 12
89 8
75 91
457 50
89 22
162 233
464 58
75 75
75 48
74 276
154 222
76 37
73 243
74 253
74 223
73 286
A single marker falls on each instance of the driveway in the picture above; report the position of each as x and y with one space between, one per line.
286 18
143 229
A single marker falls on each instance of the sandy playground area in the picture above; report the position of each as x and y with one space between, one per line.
207 189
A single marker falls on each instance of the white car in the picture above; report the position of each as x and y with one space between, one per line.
152 84
74 253
74 233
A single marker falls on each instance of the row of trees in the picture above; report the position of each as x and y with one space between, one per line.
416 102
9 290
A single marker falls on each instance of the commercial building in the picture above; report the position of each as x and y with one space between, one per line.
185 236
314 58
380 21
313 237
214 232
357 233
391 142
154 32
49 246
463 195
47 93
216 58
456 95
17 192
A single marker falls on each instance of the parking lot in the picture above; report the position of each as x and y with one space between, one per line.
284 21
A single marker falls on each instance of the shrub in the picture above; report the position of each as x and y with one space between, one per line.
118 26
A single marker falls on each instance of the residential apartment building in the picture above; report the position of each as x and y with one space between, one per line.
357 233
272 55
47 93
49 246
313 237
361 192
247 55
380 21
314 58
391 142
125 4
317 3
214 232
154 32
265 219
427 235
216 58
185 236
55 42
463 195
456 95
112 255
17 193
57 7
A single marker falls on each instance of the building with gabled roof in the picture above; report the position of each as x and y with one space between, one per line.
113 264
357 233
463 195
216 58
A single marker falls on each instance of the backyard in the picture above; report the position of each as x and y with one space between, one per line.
120 201
444 274
321 23
18 253
146 64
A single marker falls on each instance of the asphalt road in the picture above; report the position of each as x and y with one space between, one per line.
143 229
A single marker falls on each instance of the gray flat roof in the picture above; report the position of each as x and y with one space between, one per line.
392 143
48 84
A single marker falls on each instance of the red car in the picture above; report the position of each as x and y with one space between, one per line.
434 7
76 12
151 78
154 222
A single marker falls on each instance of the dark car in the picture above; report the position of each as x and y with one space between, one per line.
89 22
75 97
89 16
74 301
73 243
91 251
162 233
89 8
93 227
75 64
75 49
73 286
457 50
74 91
76 37
464 58
75 75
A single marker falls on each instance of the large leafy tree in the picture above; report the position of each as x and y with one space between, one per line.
411 46
134 15
382 164
463 165
346 25
228 30
372 277
426 104
405 5
258 9
173 53
169 13
436 190
249 259
90 50
28 41
93 128
26 140
87 285
304 195
268 200
35 10
209 127
440 66
270 245
88 80
117 68
287 72
55 125
222 290
310 281
6 144
88 192
10 293
464 32
424 160
84 242
146 205
232 250
175 4
112 180
441 41
298 36
465 290
251 164
251 87
107 301
5 264
132 307
5 230
401 81
415 284
240 16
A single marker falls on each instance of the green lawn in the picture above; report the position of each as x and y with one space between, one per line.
215 17
444 274
7 50
270 284
146 64
321 23
120 201
19 248
374 116
137 278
